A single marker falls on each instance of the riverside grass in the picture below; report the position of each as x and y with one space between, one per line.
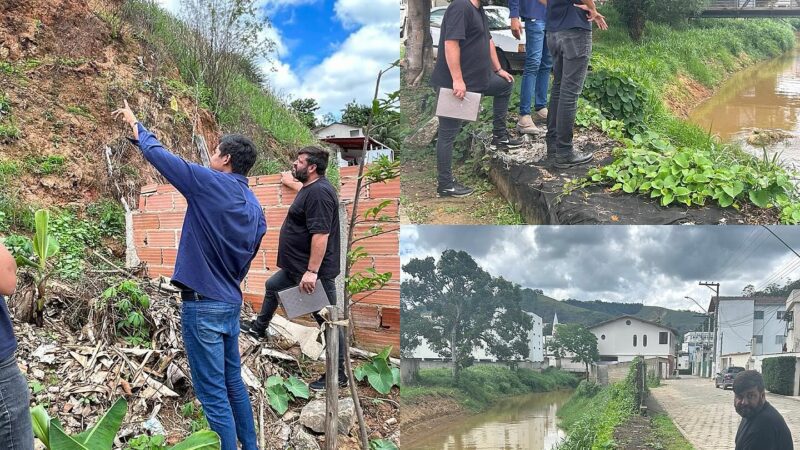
481 385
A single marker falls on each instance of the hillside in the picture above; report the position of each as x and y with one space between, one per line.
591 312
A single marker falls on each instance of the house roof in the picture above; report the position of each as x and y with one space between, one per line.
628 316
758 300
318 129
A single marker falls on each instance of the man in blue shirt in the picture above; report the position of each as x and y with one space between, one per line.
16 432
569 39
536 76
221 234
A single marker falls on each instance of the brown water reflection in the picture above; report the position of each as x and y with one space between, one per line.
763 96
524 422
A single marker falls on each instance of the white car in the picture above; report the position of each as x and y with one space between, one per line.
510 50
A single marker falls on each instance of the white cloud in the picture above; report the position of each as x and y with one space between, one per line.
367 12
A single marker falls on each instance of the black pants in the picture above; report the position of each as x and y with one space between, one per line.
498 88
284 280
570 50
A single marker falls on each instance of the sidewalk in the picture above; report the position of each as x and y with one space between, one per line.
705 414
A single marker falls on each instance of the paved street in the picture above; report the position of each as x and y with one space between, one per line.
706 416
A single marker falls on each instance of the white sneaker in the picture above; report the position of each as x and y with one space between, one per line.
525 125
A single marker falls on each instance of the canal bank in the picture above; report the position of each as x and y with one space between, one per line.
435 401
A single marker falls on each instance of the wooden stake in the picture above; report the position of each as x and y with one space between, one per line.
331 380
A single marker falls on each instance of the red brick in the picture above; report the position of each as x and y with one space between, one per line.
168 255
140 203
152 256
149 188
389 296
383 244
157 271
180 203
268 179
377 340
366 316
256 281
390 210
269 242
349 171
160 202
390 189
144 222
348 190
253 299
287 196
161 239
271 260
165 189
268 196
171 221
276 216
390 319
139 238
381 264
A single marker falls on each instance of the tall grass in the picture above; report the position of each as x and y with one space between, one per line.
252 108
480 386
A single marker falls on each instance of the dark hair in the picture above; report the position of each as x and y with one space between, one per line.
747 380
242 150
316 155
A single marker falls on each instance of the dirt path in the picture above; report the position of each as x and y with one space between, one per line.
420 205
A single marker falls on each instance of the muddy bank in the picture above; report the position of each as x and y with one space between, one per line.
428 412
537 191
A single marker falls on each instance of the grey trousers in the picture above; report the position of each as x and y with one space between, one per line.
498 88
16 432
570 50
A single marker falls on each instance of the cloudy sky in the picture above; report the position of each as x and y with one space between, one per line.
330 50
656 265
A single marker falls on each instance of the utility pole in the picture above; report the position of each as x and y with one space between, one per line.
714 287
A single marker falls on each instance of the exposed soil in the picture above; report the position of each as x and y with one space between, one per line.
685 95
427 412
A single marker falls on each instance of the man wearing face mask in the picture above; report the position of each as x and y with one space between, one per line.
762 426
308 245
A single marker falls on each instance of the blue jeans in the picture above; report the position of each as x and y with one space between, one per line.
211 337
16 432
538 63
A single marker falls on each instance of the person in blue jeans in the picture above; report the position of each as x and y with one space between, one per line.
221 234
16 432
536 76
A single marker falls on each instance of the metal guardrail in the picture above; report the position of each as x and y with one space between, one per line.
752 8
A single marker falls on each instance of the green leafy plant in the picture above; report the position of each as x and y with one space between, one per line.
109 216
44 247
280 392
145 442
130 304
379 373
196 415
382 444
101 435
617 95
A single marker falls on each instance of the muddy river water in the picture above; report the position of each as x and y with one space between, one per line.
765 96
526 422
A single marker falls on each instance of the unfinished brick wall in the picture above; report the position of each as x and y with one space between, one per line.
157 227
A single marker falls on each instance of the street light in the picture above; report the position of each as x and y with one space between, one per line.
695 302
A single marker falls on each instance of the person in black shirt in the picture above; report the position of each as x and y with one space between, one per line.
16 432
308 245
762 426
467 61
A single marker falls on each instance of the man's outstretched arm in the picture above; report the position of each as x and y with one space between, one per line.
175 169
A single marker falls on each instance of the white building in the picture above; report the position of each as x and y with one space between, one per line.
752 325
349 142
535 347
697 345
626 337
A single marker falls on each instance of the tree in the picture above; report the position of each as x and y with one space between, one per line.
355 114
749 290
456 307
305 109
577 340
419 44
386 120
226 35
635 13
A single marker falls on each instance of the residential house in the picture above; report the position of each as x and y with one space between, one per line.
348 141
752 325
626 337
697 345
792 333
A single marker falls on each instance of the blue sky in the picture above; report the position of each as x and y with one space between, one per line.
330 50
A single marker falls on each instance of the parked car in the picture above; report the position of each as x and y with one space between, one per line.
725 378
510 50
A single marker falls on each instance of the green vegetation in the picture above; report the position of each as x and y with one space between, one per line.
481 385
663 156
38 256
379 373
79 110
667 435
44 165
577 340
129 305
196 415
250 108
280 392
779 374
8 131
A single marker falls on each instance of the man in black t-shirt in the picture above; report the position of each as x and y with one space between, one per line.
762 426
467 61
308 245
